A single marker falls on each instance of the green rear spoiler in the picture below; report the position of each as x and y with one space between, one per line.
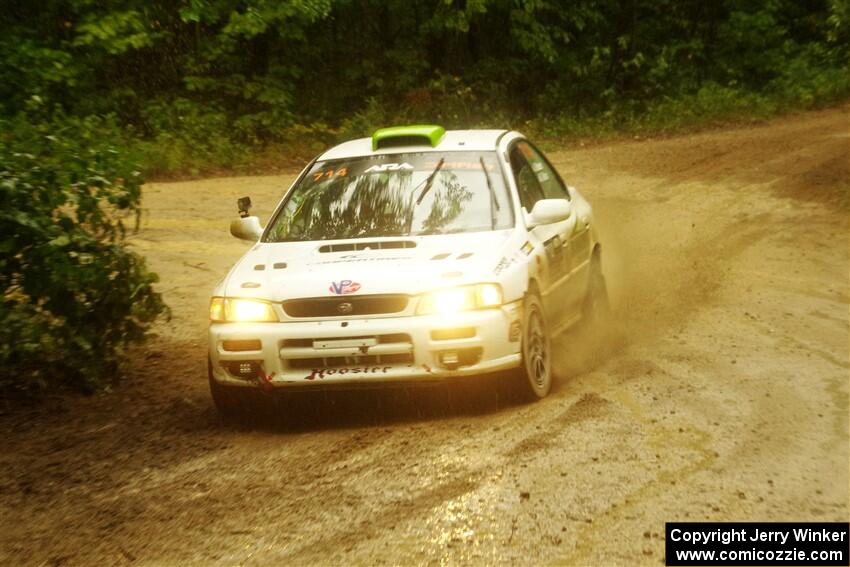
415 135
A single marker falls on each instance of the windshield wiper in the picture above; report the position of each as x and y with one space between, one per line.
428 182
494 201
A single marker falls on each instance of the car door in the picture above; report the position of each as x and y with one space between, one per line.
580 248
536 180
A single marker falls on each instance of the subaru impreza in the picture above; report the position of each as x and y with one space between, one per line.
415 255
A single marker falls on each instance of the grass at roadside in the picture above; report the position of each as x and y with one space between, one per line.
176 157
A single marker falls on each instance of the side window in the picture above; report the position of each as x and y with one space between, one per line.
549 182
527 183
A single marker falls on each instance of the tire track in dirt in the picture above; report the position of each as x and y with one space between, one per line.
721 393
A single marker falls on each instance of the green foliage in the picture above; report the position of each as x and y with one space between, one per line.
187 135
838 25
115 32
209 83
72 293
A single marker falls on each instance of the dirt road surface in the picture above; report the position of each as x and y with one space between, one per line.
720 394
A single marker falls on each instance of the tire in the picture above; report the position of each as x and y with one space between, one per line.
232 402
535 376
596 307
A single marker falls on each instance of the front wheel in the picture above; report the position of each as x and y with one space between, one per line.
536 369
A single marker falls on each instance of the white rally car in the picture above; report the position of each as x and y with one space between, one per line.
418 254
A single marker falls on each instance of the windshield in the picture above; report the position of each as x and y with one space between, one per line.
395 195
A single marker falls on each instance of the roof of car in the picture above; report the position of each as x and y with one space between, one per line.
452 141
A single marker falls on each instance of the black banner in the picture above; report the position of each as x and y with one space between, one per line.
757 543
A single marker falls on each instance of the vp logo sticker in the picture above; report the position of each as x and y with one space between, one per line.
344 287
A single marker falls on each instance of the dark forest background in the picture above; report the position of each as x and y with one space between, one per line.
205 83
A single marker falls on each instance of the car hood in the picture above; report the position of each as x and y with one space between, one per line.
289 270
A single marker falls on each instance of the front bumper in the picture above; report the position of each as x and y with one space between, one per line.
342 352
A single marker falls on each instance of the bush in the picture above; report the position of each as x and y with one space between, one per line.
187 136
73 295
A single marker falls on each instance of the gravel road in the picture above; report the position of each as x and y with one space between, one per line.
720 392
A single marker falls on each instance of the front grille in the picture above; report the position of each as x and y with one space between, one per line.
306 353
346 306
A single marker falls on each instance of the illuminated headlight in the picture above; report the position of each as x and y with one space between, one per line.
227 309
454 299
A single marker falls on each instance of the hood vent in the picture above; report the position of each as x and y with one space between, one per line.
375 245
464 255
441 256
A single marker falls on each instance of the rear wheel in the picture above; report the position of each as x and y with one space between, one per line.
596 307
536 369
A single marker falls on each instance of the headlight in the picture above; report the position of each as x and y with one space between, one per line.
454 299
228 309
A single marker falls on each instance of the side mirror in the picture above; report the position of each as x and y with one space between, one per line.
246 228
548 211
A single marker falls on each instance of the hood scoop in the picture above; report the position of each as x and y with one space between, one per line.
374 245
